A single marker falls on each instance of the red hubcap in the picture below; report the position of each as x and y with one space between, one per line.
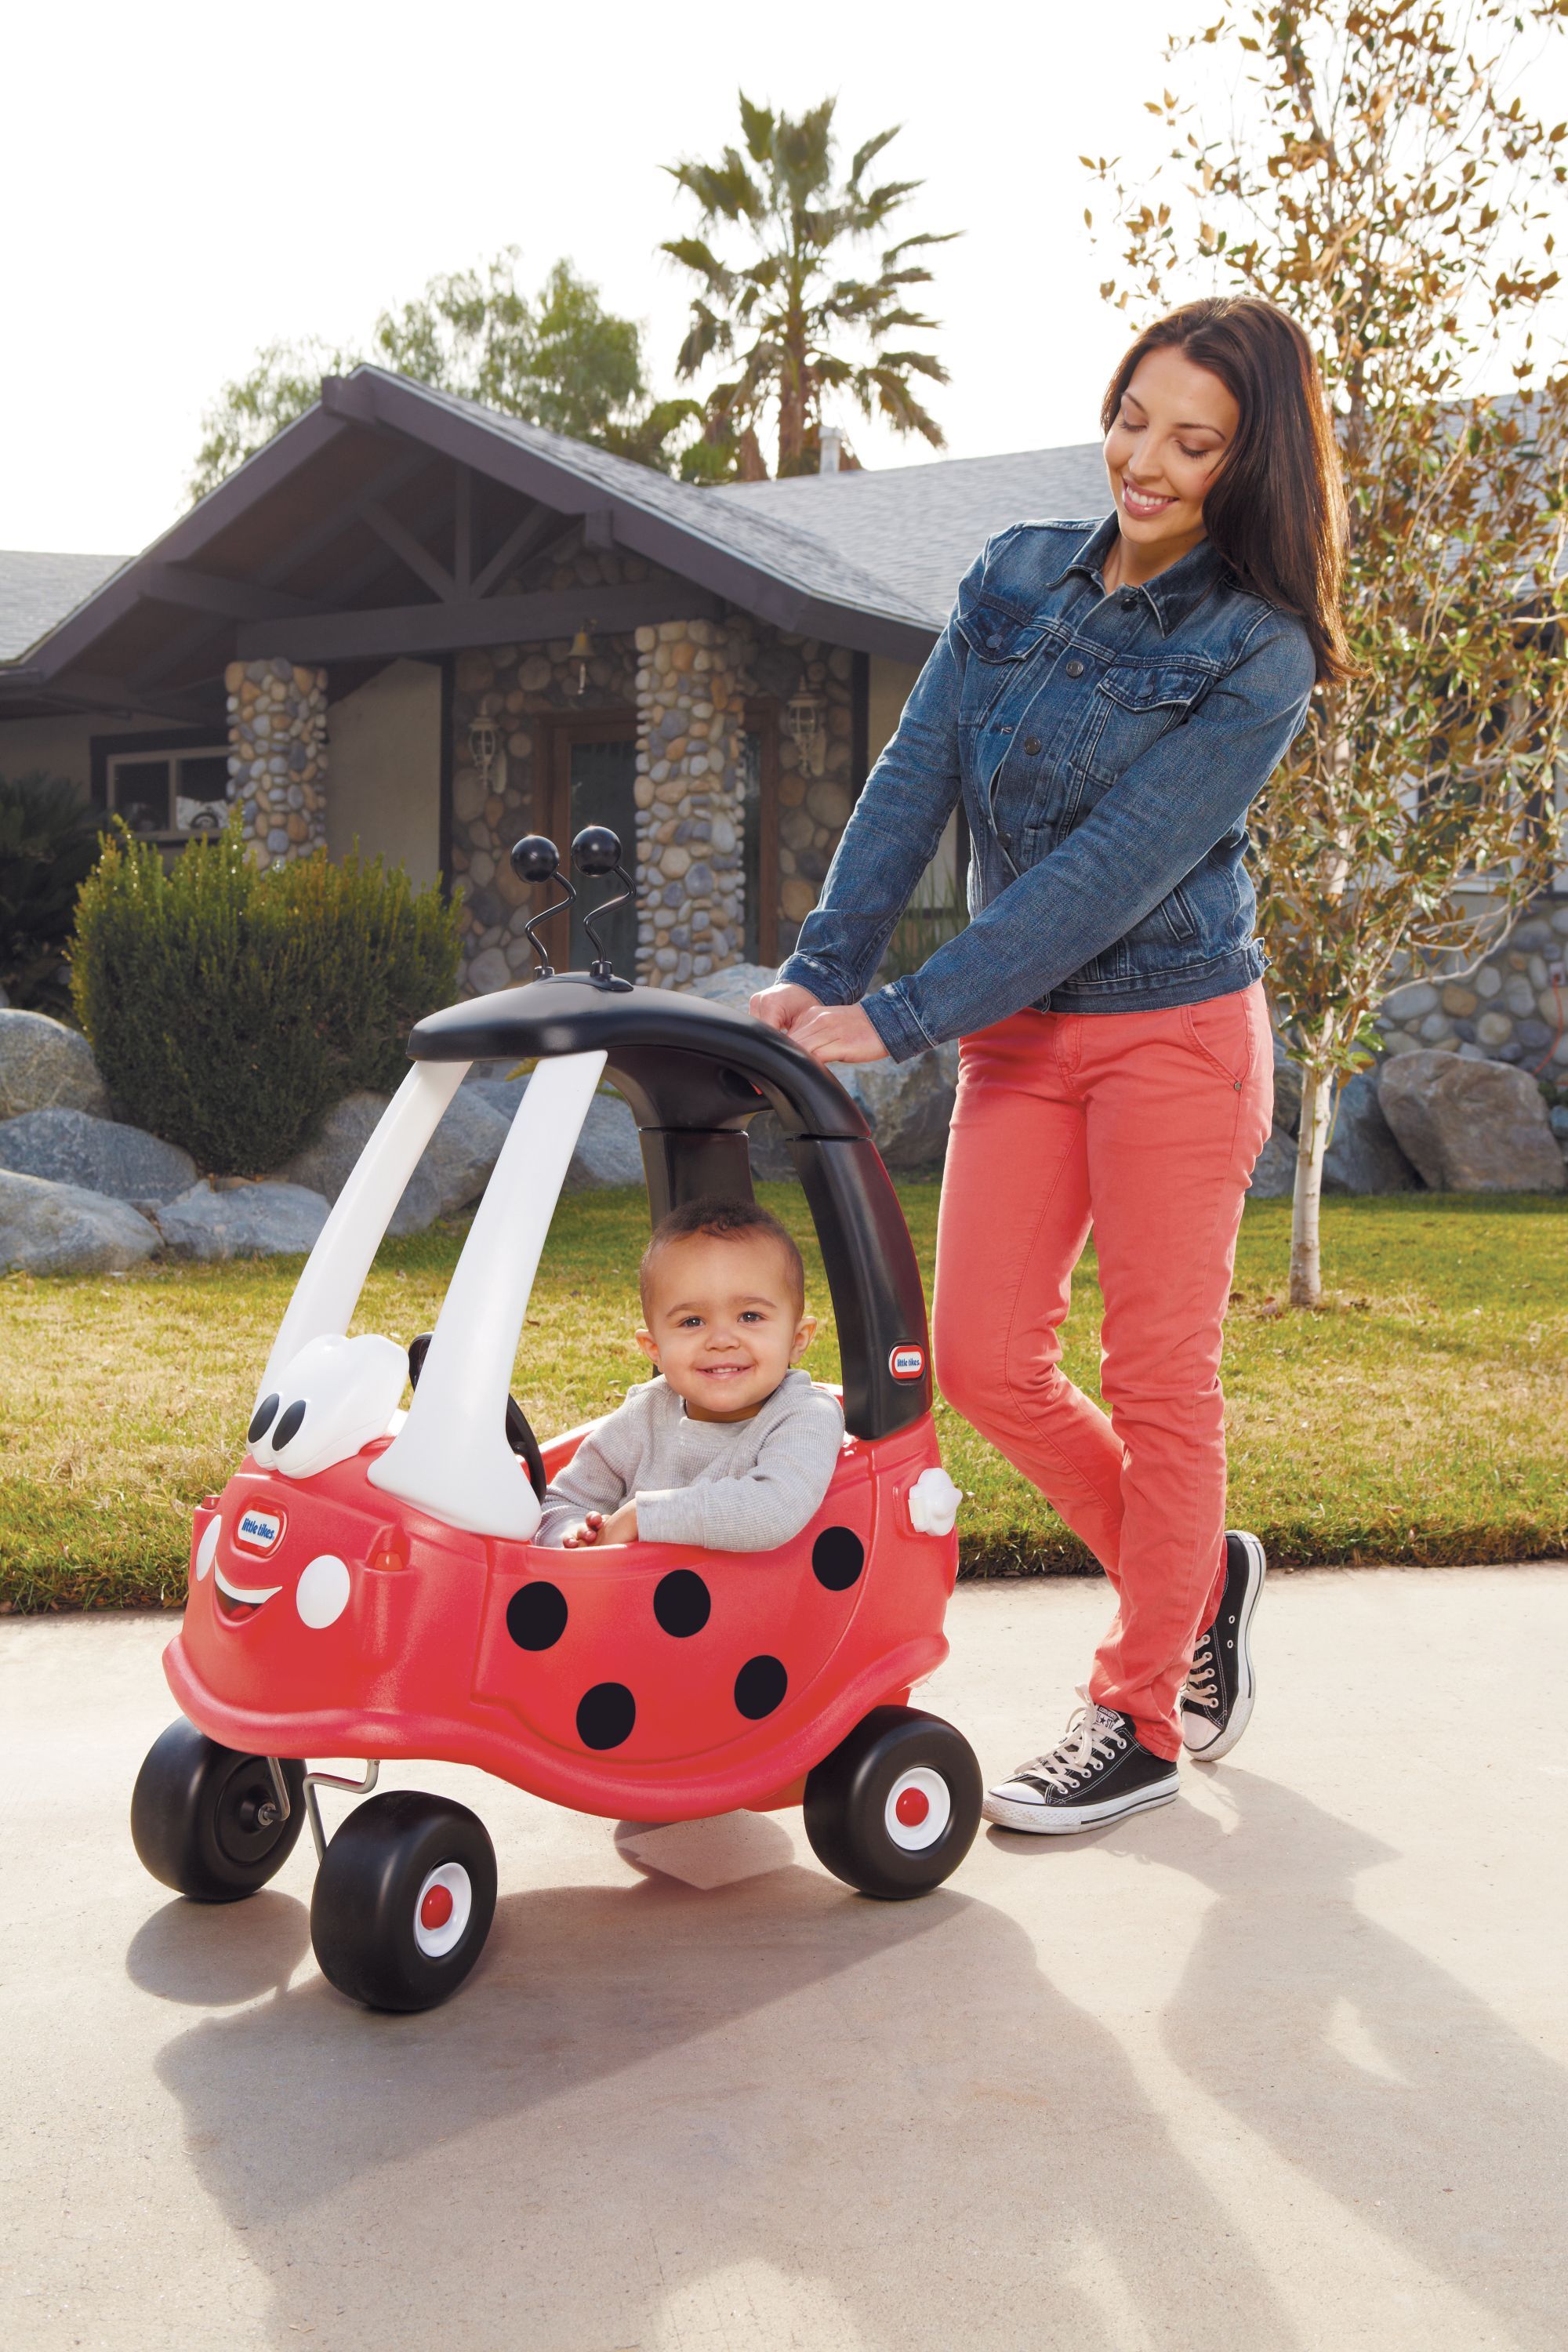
913 1808
437 1907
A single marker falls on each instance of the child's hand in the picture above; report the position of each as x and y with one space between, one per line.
621 1527
586 1531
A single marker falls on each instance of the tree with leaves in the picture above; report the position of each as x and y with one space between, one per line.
1391 189
787 313
558 359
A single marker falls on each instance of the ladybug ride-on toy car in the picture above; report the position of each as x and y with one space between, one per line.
366 1584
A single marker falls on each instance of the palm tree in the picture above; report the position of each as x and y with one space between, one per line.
785 314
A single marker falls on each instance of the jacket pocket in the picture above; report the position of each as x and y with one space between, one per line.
1134 706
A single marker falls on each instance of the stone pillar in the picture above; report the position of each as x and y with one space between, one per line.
277 756
691 716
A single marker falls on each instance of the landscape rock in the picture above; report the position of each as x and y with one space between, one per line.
608 1152
70 1146
1362 1155
47 1228
1470 1127
1274 1177
464 1149
500 1095
327 1161
43 1066
267 1220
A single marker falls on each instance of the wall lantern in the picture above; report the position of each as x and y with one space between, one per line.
484 743
802 724
582 652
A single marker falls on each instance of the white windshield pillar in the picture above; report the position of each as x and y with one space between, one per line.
327 1290
450 1457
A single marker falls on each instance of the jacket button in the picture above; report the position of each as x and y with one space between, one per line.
1074 668
1130 601
1031 744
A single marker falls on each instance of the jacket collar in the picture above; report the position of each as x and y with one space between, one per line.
1170 595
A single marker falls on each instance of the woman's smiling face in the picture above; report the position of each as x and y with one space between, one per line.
1168 441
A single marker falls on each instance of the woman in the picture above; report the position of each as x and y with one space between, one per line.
1104 704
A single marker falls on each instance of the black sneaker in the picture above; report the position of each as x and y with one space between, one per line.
1097 1772
1220 1688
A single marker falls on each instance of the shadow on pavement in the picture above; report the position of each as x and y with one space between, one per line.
774 2114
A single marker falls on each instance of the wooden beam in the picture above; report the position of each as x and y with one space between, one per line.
385 633
404 544
599 528
231 600
516 547
87 691
463 531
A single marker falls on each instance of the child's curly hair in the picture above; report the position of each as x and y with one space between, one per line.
724 1221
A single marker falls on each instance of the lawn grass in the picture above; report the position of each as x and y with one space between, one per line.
1422 1418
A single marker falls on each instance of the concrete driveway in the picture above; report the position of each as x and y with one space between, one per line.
1279 2066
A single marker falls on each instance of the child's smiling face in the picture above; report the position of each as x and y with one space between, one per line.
724 1322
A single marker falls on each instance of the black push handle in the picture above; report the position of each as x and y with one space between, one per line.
535 859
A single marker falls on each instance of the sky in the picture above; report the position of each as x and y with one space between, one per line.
184 183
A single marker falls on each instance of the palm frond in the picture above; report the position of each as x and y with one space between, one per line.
863 155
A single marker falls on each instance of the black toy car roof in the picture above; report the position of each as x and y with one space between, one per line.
680 1061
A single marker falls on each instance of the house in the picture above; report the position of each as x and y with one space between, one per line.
417 625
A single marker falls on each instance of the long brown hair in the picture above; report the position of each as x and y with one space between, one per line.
1276 510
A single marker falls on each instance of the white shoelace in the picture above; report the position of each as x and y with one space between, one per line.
1093 1734
1202 1686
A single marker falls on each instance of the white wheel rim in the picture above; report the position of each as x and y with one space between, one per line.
436 1941
914 1834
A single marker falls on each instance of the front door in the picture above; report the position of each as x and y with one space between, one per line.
592 779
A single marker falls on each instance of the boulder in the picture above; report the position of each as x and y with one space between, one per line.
45 1065
608 1152
502 1095
47 1228
327 1161
1470 1127
267 1220
1362 1156
1274 1175
70 1146
735 985
464 1149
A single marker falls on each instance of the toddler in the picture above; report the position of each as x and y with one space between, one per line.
727 1447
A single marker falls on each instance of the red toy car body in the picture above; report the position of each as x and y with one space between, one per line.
366 1584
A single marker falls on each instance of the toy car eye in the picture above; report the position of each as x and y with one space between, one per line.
262 1419
288 1424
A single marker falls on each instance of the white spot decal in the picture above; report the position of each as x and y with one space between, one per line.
322 1593
207 1551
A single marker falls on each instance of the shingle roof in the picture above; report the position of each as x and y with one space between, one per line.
38 590
917 528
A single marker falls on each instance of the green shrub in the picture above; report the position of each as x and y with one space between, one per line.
229 1009
48 843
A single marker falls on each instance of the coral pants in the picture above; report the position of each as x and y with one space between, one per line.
1145 1126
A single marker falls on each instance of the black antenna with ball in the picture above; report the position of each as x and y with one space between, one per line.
596 850
535 859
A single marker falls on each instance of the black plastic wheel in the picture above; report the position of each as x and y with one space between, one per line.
203 1819
894 1808
403 1901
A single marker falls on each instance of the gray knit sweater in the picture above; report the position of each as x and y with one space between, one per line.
727 1486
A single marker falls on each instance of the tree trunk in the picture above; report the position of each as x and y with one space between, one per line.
1311 1142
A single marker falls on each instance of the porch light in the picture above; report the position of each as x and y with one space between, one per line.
582 652
484 743
802 724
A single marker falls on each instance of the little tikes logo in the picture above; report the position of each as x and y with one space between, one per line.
259 1530
907 1363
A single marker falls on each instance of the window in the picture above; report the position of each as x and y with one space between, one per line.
169 793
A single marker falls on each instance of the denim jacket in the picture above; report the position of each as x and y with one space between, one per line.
1104 749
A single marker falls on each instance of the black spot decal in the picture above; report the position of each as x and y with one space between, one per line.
289 1423
536 1615
262 1421
836 1559
682 1602
606 1715
759 1687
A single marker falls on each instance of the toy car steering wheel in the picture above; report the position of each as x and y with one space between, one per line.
519 1434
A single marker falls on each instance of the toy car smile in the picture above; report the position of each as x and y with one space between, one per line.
367 1585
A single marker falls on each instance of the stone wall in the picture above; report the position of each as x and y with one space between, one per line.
688 682
277 756
1507 1010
